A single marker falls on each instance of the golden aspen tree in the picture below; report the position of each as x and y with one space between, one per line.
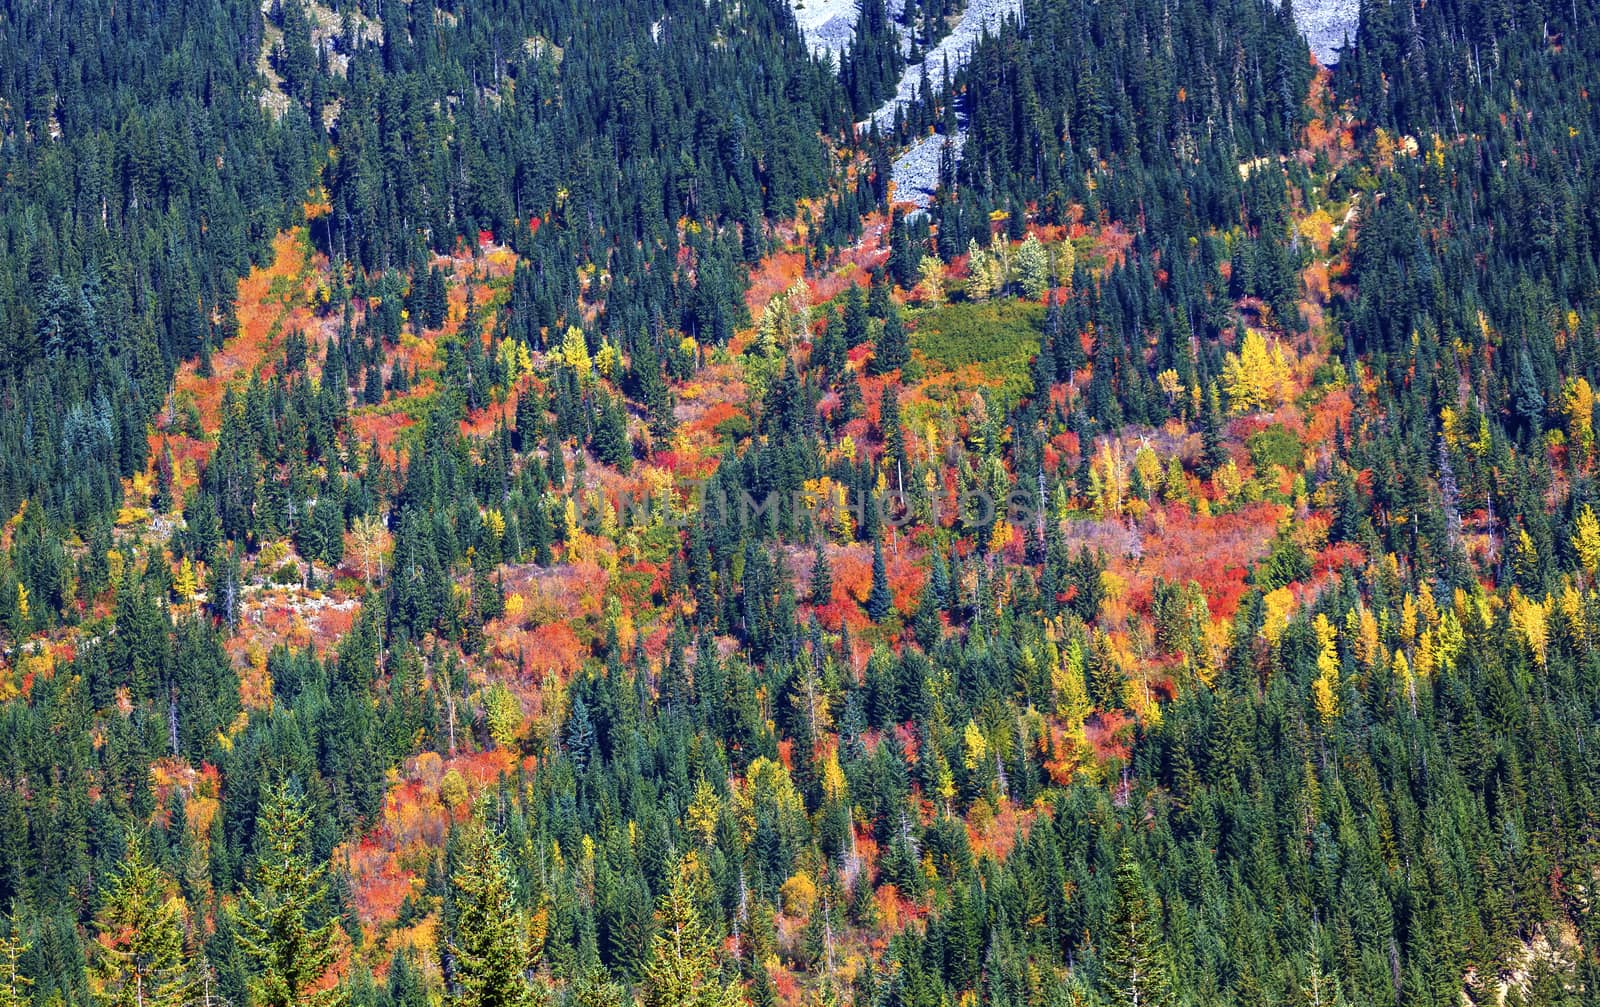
930 279
1586 540
1325 689
1259 376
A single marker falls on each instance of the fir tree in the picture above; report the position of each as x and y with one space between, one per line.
139 952
13 984
892 350
821 578
1137 973
489 941
282 923
855 317
881 599
683 970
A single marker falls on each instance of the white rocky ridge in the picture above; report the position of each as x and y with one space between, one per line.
829 24
1326 23
954 49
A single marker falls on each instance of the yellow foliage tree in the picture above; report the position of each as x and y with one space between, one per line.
974 748
1279 605
184 582
1586 540
1072 699
799 894
1531 620
1405 679
575 351
1108 479
1325 689
1227 481
1259 376
704 811
494 523
1066 264
503 712
1577 401
1148 465
835 787
930 275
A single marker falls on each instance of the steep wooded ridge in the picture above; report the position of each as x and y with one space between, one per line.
503 507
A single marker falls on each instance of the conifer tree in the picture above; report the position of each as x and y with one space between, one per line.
282 923
489 942
1136 968
855 317
821 578
683 969
892 350
881 599
13 984
139 951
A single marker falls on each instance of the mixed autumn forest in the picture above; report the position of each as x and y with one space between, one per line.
507 504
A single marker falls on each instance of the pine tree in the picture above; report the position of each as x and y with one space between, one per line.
683 969
881 599
279 915
892 350
1136 968
489 942
821 578
13 984
138 951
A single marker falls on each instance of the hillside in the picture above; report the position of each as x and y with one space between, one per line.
535 504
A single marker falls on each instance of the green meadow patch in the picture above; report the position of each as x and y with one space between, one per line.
998 339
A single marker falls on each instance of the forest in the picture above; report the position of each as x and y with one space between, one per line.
503 505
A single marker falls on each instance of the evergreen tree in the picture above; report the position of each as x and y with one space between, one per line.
282 919
821 578
13 984
880 600
892 350
488 942
683 969
855 317
1136 967
139 951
